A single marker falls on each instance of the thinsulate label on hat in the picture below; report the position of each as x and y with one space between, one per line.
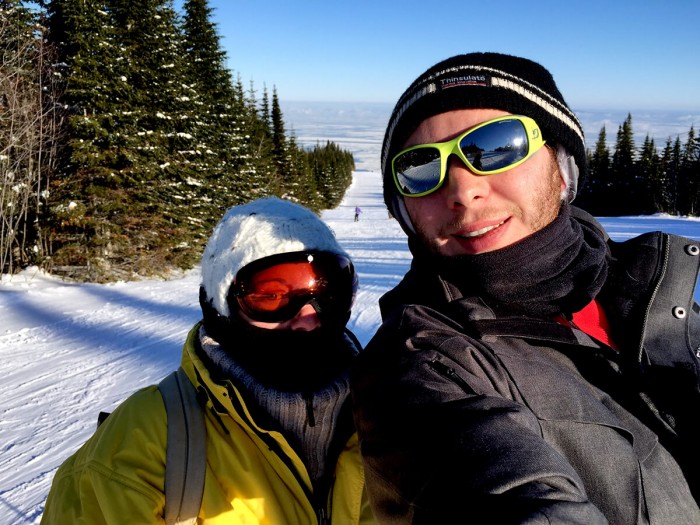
464 80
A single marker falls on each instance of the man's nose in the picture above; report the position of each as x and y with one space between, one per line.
464 187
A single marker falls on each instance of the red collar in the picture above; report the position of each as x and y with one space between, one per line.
592 320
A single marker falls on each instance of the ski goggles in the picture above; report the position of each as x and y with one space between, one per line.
273 289
491 147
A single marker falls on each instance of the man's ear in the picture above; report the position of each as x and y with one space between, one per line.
573 173
569 173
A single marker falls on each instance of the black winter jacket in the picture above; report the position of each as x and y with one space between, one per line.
465 417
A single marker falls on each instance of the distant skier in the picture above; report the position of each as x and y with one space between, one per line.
358 210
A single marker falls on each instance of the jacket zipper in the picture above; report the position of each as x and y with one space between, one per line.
449 373
664 267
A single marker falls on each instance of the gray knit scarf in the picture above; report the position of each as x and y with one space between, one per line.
307 419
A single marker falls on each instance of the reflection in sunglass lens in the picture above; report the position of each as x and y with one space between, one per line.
418 170
496 145
492 147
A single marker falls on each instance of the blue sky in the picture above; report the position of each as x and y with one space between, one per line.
603 54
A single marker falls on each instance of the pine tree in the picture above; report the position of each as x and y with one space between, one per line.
260 170
624 177
689 182
94 81
667 192
649 169
671 162
299 186
265 113
595 194
220 125
180 192
253 166
88 188
279 141
151 43
207 61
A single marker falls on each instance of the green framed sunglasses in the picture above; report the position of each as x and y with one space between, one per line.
492 147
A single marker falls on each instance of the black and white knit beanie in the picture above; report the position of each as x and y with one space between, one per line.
251 231
489 81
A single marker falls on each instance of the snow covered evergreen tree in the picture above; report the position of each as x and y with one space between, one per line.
159 138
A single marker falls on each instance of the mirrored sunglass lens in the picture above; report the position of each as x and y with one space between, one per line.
496 145
418 170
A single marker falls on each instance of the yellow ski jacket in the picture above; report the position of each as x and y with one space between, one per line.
253 476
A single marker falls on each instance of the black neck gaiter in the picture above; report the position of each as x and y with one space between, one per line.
288 360
558 269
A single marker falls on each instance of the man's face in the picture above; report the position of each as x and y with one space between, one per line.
472 213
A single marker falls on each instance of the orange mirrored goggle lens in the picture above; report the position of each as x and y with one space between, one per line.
275 288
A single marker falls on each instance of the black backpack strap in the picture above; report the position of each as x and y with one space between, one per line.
186 455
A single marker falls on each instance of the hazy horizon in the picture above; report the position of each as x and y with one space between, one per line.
359 127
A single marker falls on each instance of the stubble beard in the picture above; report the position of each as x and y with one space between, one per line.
545 206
